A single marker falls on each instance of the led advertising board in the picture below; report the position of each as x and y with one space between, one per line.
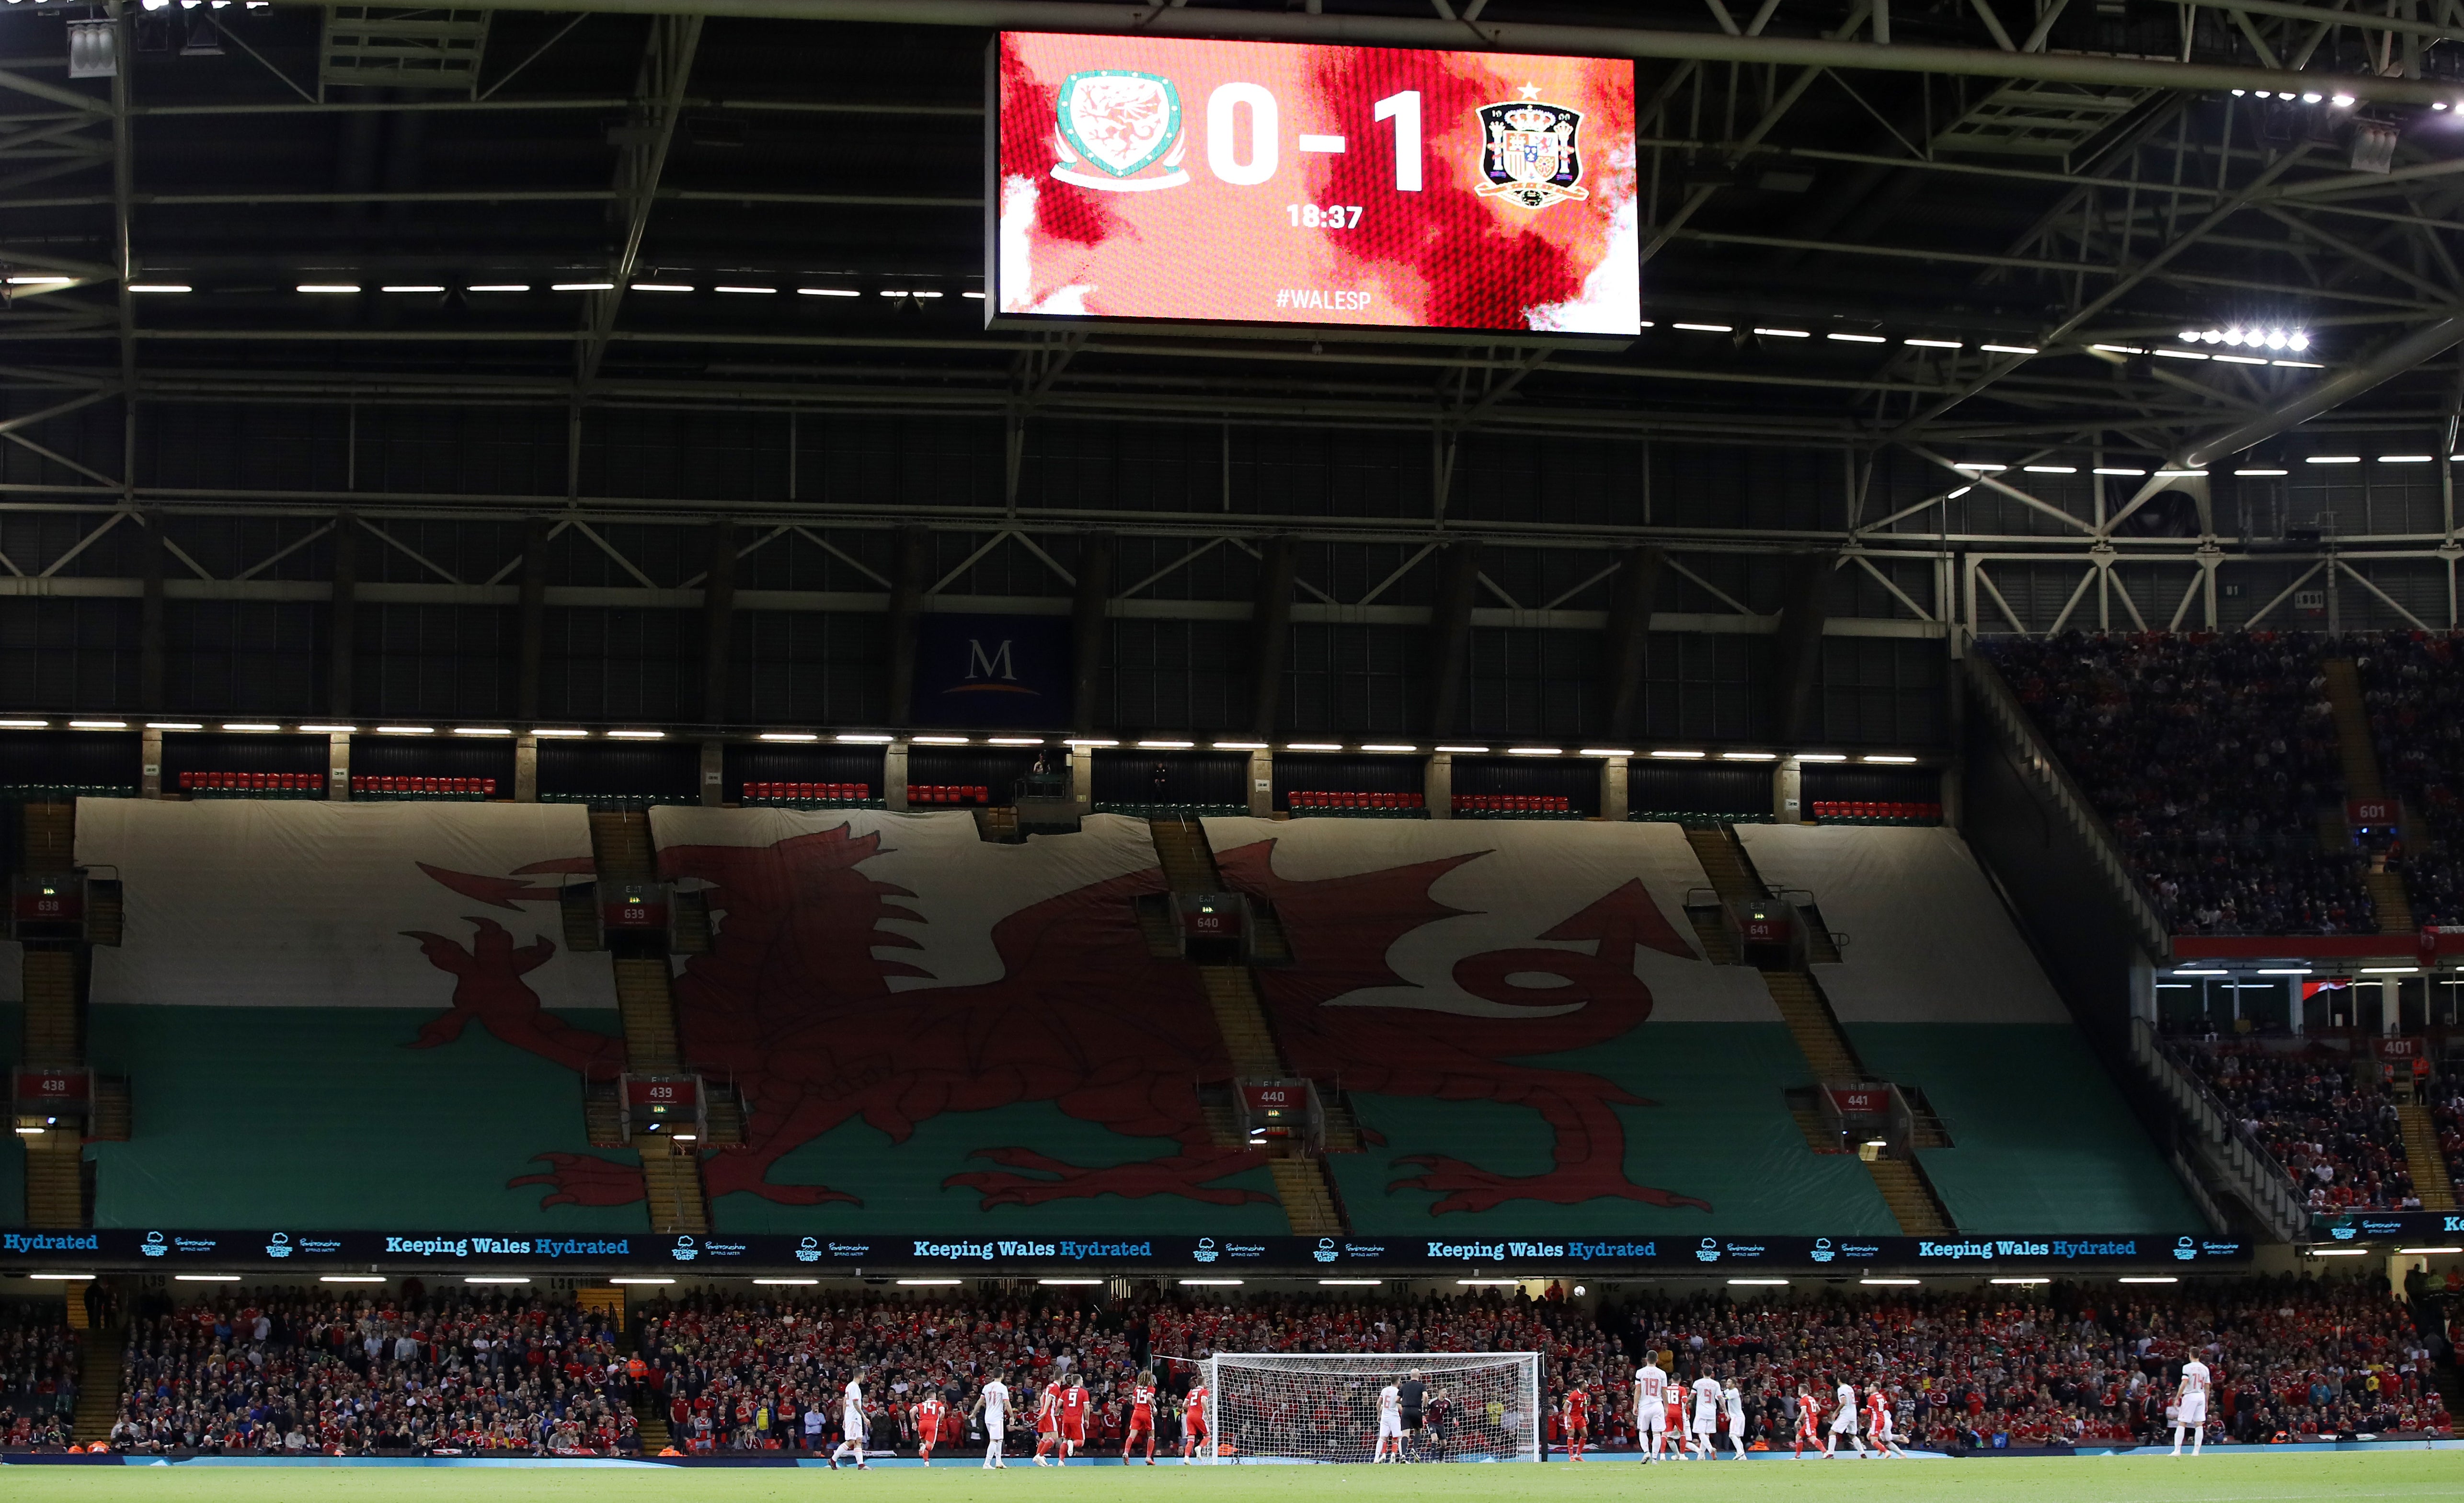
1261 183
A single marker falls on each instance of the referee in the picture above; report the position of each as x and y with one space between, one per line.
1415 1397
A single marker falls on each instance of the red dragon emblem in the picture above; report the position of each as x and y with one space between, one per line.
795 1000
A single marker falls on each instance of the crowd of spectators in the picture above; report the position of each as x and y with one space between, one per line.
2068 1364
1997 1366
2211 756
2445 1099
408 1371
38 1373
2412 685
2333 1129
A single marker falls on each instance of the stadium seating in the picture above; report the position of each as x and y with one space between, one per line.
38 1376
260 784
2414 690
2212 757
287 1373
1356 805
2336 1137
465 790
1512 806
821 795
1860 812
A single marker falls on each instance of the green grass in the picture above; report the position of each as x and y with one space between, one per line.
2364 1477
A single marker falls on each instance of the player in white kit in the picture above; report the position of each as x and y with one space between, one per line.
1843 1422
993 1403
1706 1417
1650 1409
851 1423
2192 1405
1390 1422
1732 1406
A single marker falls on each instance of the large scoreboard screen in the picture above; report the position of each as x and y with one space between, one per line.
1192 181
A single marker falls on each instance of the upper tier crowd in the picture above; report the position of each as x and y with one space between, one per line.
2043 1365
2412 685
296 1374
2211 756
38 1373
2332 1128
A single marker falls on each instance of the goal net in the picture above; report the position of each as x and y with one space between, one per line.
1324 1407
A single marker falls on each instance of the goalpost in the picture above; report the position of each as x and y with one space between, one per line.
1322 1407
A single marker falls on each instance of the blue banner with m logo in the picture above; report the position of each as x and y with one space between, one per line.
993 673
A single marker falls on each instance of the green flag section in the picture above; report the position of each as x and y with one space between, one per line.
1709 1128
2044 1141
330 1118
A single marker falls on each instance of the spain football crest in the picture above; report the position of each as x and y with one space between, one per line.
1531 153
1119 131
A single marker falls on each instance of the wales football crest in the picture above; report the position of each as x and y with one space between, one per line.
1120 131
1531 153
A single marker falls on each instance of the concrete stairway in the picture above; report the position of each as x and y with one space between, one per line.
53 1027
645 1003
620 846
1231 991
645 1000
54 1181
50 838
1815 1030
2432 1179
100 1371
2358 754
672 1183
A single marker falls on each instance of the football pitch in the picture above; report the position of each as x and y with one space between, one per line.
2318 1477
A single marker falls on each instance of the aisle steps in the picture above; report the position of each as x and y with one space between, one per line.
2433 1180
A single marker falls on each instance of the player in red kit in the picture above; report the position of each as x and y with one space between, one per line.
1073 1418
928 1423
1578 1424
1193 1420
1048 1422
1141 1418
1809 1422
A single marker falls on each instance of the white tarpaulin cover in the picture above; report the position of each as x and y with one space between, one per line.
1517 880
266 903
963 885
1928 941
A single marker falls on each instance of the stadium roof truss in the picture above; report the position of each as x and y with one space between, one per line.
1958 249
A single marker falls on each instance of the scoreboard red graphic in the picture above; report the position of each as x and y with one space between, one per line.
1197 181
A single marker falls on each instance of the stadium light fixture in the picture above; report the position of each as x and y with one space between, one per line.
329 288
789 736
481 730
495 1278
2333 459
1932 344
1857 339
205 1278
830 291
1607 751
315 730
1822 756
794 1281
938 740
1896 760
561 733
1760 1283
1890 1283
1666 755
2404 458
1178 746
2425 1251
685 1138
1024 741
2187 971
931 1283
499 287
179 725
2292 970
411 287
1372 1283
1469 751
1394 749
1303 746
2122 470
1536 751
25 725
405 730
2260 474
2338 1253
1706 328
30 1131
2150 1278
745 290
160 287
2052 469
2008 349
60 1278
2023 1283
581 287
641 1281
1069 1283
1490 1283
1092 742
97 725
1217 745
662 287
1737 756
350 1278
1210 1283
863 738
250 725
2391 970
1785 334
639 735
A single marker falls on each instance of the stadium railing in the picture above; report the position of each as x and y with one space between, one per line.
2235 1161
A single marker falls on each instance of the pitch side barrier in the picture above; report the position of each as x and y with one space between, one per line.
1598 1256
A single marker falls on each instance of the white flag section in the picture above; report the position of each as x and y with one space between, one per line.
265 904
1516 881
961 886
1406 1406
1929 941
